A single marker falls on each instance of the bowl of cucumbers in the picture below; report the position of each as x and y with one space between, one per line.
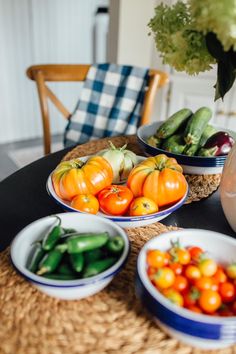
70 256
198 145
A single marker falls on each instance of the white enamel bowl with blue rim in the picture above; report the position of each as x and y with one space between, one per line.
123 221
203 331
21 249
191 164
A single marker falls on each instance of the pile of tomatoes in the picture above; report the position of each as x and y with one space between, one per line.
190 278
152 184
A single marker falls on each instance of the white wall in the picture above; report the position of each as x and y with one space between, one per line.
33 32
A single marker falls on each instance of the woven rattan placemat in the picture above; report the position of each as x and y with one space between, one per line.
110 322
200 186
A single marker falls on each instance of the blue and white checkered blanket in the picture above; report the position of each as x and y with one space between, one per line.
110 103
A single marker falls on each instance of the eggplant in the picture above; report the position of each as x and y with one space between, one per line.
218 144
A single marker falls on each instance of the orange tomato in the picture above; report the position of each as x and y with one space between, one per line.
176 267
227 291
180 283
142 206
85 202
115 199
164 278
195 253
192 272
220 276
204 283
155 258
159 178
209 301
74 177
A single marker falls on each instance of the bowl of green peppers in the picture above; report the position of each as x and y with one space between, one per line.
70 256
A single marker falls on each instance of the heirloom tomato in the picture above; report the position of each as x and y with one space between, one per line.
75 176
159 178
85 202
115 199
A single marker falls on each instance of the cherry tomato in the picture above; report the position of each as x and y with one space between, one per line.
180 283
209 301
195 253
115 199
164 278
180 254
191 296
142 206
86 203
192 272
194 308
167 258
227 292
176 267
155 258
207 267
203 283
220 275
174 296
231 271
225 311
151 271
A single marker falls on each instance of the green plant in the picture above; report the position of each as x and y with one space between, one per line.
193 35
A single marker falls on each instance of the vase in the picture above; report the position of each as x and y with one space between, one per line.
228 188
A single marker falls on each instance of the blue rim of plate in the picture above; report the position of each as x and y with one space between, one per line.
214 161
120 219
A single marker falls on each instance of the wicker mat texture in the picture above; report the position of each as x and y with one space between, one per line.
110 322
200 186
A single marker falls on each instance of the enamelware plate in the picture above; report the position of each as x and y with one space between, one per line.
191 164
123 221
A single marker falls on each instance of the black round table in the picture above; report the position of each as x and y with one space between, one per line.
24 199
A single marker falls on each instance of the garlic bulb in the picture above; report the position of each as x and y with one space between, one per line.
121 160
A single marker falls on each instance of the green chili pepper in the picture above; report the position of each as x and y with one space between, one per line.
115 244
57 276
97 267
65 269
50 261
69 231
53 235
77 261
94 255
36 258
86 242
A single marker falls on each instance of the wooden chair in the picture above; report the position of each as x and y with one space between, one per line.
70 72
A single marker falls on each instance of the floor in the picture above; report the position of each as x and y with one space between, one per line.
7 165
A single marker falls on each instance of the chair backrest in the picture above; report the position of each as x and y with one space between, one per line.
78 72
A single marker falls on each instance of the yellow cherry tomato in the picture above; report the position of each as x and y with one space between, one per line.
164 278
142 206
174 296
207 267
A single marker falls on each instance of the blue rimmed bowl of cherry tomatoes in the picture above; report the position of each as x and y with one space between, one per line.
187 280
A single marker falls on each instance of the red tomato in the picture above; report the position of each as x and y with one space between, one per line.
115 200
177 268
195 253
164 278
155 258
180 283
191 296
85 202
142 206
227 292
209 301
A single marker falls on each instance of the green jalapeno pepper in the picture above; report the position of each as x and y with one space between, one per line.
99 266
53 235
77 261
86 242
58 276
64 268
94 255
50 261
36 258
115 244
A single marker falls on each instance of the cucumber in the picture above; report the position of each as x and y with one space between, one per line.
174 144
154 141
196 125
173 123
209 131
191 150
